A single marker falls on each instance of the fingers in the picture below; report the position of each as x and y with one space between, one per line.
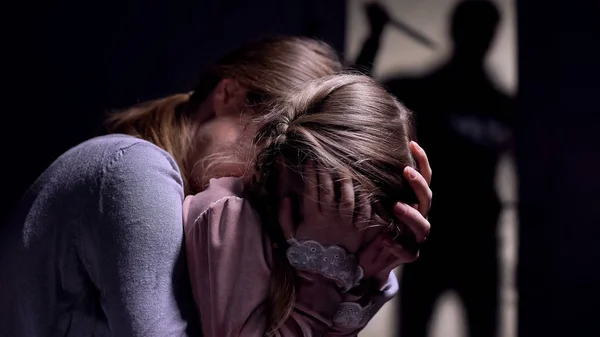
369 255
364 222
398 255
379 257
311 194
413 219
353 240
371 233
422 161
391 263
383 255
286 220
372 250
381 264
421 188
346 211
326 192
363 214
346 198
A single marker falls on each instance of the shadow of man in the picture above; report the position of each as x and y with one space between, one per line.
464 124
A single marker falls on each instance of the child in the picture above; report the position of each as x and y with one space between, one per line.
299 245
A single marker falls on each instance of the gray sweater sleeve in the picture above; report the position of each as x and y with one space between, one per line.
133 249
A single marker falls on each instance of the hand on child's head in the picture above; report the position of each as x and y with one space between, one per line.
324 219
350 121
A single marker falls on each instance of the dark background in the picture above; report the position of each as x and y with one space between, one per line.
558 161
70 62
66 63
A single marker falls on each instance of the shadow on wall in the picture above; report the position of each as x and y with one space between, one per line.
465 124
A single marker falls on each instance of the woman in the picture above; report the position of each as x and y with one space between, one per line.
329 147
95 246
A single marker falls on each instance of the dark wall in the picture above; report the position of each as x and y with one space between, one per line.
559 166
68 62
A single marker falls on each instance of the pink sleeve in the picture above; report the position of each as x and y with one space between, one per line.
356 311
229 265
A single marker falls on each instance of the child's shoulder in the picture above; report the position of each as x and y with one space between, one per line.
217 191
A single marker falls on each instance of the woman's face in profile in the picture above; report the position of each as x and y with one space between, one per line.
222 136
222 148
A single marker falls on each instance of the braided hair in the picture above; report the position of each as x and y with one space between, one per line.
341 121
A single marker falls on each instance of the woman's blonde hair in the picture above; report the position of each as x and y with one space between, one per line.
268 68
341 122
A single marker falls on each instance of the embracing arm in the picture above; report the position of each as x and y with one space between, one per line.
133 249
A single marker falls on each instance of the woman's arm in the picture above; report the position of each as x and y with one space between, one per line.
133 249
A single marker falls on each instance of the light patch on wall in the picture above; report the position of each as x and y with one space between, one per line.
401 54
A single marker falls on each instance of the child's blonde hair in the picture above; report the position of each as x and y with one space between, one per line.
341 122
